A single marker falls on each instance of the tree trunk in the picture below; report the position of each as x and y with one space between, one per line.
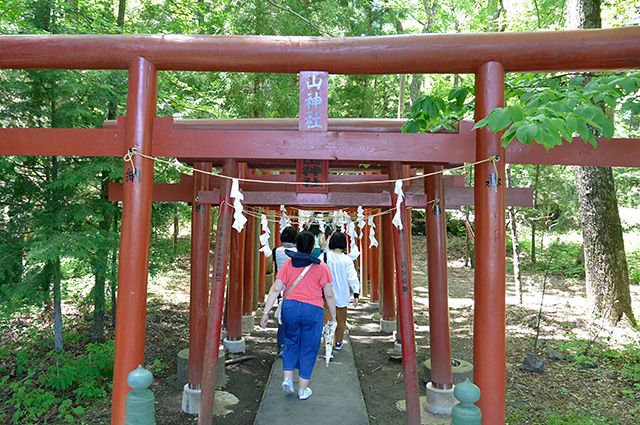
122 8
607 276
56 276
533 222
605 261
113 282
517 277
176 229
100 267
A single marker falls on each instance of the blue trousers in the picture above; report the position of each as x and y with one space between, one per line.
303 331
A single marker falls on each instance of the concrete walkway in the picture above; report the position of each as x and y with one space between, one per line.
337 397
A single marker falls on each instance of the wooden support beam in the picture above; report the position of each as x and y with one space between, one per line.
609 153
404 292
163 192
436 229
489 329
284 146
216 300
133 262
356 147
455 197
62 141
543 51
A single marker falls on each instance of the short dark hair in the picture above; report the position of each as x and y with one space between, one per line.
338 241
305 242
289 234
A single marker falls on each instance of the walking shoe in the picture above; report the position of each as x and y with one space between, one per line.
304 394
287 386
338 346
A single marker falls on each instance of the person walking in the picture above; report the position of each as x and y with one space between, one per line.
304 279
345 281
288 241
314 228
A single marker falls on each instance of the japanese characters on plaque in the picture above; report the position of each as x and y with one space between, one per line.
314 92
311 171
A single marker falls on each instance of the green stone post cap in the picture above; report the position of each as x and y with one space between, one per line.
140 378
467 392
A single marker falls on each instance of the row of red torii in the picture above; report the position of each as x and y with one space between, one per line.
280 143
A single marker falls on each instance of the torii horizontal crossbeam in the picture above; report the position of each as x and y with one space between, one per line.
285 146
549 51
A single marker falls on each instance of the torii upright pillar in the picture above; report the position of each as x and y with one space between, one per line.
200 243
216 300
440 399
489 349
405 310
133 260
374 266
387 295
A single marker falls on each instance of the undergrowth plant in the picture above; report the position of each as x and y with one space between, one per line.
58 382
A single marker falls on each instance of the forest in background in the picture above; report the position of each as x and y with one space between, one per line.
59 234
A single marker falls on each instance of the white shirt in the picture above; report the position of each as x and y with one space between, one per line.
344 276
279 255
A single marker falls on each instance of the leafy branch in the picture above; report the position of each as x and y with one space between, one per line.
432 114
544 110
549 114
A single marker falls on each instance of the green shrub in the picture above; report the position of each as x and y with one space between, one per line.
633 262
80 378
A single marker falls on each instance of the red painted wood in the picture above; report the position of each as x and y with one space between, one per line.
609 153
247 274
455 197
163 192
62 141
133 260
216 300
388 268
374 268
377 125
405 309
544 51
234 301
357 147
364 261
312 171
262 278
198 301
439 334
350 146
489 349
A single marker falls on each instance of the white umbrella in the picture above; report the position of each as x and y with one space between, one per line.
328 333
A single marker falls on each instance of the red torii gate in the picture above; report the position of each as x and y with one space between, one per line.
489 56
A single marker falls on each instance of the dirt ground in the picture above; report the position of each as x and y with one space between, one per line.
563 387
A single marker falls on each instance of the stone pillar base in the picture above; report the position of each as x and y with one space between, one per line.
397 345
183 368
223 335
374 306
461 370
440 402
387 326
247 324
234 347
190 400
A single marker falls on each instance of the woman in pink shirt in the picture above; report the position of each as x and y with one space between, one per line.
304 279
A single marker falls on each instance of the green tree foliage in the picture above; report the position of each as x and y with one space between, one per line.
551 109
